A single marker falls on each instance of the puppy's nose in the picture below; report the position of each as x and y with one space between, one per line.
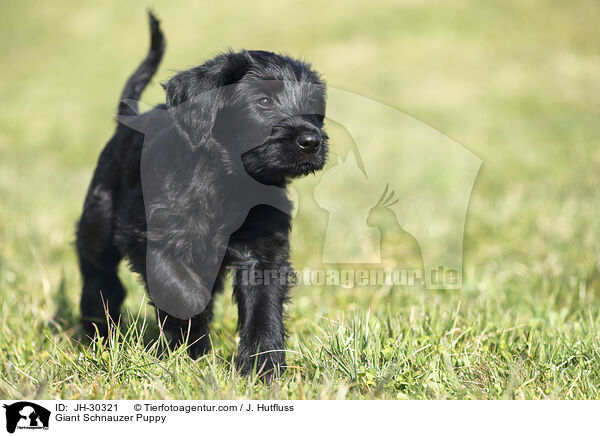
309 142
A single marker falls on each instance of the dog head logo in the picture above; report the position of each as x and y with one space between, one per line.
26 415
426 179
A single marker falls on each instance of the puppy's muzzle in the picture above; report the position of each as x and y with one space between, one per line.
309 142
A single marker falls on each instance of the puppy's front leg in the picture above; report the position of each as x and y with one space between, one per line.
261 292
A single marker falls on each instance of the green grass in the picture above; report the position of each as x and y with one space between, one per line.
515 83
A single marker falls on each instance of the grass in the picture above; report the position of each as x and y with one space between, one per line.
515 83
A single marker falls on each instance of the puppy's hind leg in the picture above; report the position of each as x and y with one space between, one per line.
98 261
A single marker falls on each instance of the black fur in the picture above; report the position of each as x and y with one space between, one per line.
173 228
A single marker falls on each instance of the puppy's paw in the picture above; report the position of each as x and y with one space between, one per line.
266 365
96 327
196 349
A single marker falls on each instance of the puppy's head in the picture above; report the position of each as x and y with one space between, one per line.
262 110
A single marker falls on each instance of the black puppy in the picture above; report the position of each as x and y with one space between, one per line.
201 189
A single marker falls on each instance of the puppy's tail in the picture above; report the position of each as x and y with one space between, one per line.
140 78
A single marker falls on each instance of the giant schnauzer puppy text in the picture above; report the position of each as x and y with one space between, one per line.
197 185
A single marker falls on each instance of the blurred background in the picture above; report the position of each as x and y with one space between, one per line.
516 83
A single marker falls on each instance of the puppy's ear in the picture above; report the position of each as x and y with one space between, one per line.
195 96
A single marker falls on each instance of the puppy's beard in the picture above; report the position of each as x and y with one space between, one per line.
276 163
304 168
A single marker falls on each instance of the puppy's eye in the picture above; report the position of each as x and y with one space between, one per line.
264 102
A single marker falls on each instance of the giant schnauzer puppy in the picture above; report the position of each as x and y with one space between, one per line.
196 186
